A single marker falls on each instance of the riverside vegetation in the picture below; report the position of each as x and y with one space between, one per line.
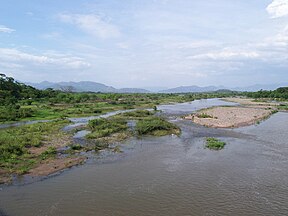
44 146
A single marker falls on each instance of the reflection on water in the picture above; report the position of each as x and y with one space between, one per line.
171 176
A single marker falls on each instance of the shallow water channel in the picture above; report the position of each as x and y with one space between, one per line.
171 175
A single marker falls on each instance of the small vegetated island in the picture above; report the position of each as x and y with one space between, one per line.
115 129
214 144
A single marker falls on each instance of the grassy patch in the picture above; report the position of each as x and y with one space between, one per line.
135 115
105 127
156 126
214 144
50 152
15 143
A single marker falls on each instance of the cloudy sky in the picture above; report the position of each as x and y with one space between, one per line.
142 43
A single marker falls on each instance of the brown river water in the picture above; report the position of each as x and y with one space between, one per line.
170 175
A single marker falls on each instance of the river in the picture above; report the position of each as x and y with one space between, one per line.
171 175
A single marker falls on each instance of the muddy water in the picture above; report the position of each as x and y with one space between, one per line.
171 176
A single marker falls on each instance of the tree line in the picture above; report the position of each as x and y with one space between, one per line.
279 93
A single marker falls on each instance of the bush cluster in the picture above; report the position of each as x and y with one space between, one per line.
154 124
214 144
104 127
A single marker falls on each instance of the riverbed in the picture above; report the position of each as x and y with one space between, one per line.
171 175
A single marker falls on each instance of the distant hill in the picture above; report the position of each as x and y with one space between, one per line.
194 88
88 86
85 86
254 88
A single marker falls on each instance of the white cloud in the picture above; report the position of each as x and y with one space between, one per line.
15 56
278 8
6 29
273 48
280 40
227 54
91 24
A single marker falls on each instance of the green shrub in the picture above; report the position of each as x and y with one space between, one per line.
76 147
214 144
155 126
104 127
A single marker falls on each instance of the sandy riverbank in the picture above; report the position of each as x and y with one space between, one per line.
229 117
249 102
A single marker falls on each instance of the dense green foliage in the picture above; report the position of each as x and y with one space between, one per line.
104 127
156 126
214 144
12 91
280 93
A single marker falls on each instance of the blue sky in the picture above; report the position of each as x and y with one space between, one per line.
144 43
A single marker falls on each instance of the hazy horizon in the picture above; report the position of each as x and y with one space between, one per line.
271 86
147 43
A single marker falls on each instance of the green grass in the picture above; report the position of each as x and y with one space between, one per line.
156 126
50 152
214 144
105 127
135 115
15 144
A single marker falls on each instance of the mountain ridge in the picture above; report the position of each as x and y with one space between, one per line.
90 86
